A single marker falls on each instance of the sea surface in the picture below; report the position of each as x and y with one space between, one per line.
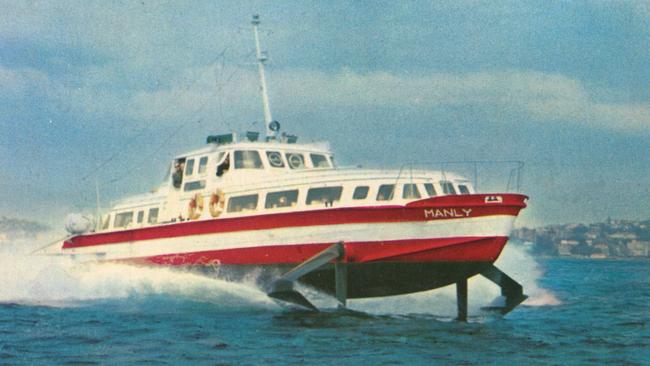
580 312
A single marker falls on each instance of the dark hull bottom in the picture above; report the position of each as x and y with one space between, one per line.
364 279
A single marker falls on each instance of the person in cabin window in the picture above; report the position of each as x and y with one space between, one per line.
223 167
177 177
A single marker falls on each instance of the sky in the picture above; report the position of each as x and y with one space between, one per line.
99 95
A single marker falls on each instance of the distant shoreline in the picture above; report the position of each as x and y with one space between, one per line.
606 259
18 229
607 240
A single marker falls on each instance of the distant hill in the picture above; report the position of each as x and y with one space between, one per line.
13 228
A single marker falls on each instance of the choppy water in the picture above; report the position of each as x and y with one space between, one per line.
580 312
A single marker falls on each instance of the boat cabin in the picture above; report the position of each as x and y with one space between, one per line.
253 178
234 160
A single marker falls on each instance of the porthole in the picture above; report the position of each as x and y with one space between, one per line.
275 159
296 161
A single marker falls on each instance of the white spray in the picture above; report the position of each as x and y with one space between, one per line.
59 281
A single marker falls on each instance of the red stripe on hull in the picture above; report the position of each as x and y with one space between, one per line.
467 249
446 207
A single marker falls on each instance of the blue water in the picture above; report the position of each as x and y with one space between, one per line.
581 312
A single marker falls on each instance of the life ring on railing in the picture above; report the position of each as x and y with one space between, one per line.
217 201
195 207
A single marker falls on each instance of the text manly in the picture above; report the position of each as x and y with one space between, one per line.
446 213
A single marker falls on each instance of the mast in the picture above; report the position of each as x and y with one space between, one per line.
272 126
98 223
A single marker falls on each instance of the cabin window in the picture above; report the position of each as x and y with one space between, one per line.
360 192
326 195
248 159
177 176
319 161
243 203
193 186
448 188
123 219
296 161
224 164
281 199
431 191
140 217
203 164
463 189
189 167
153 216
275 159
385 192
410 191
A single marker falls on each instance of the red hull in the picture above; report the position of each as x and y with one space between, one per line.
375 270
376 266
423 250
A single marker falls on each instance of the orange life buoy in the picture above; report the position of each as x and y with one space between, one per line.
217 203
195 207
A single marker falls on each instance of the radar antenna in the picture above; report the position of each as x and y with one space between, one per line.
272 127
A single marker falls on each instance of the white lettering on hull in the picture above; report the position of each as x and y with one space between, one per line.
446 213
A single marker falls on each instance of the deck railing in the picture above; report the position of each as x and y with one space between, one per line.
489 173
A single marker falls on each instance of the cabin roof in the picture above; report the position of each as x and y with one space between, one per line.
322 147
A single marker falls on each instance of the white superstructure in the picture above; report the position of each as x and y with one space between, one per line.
268 177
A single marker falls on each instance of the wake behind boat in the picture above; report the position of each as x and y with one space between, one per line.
273 206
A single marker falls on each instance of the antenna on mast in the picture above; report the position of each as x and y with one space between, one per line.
272 127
